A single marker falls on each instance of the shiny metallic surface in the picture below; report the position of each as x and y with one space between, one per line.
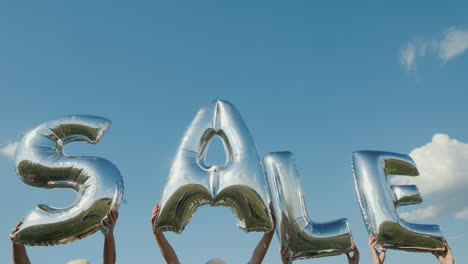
379 202
239 184
296 231
406 195
40 162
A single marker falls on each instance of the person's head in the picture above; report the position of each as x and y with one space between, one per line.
79 261
216 261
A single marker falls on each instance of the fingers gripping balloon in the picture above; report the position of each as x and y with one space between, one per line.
297 233
40 162
378 201
239 184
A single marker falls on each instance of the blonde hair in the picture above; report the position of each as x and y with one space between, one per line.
79 261
216 261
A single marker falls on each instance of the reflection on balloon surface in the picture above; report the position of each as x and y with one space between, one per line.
296 231
379 202
40 162
239 184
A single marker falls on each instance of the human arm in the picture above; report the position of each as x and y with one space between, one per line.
166 249
445 256
285 254
377 257
20 256
109 242
262 247
355 258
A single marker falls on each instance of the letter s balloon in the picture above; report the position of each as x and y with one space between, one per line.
40 162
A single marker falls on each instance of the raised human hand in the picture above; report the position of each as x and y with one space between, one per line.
355 258
445 256
273 215
154 214
285 254
14 230
377 257
110 220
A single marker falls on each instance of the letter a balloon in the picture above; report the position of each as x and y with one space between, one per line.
239 184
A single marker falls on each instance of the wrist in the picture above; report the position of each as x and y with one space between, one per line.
13 244
157 234
110 235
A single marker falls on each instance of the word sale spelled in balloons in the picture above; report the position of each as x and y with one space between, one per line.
245 183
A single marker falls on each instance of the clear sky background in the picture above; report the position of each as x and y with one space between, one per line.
319 79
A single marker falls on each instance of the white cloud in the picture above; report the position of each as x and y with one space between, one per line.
216 261
408 56
443 180
9 149
454 43
423 213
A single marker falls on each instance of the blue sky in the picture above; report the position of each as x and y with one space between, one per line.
319 79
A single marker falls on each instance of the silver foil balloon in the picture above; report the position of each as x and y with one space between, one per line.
379 202
239 184
40 162
296 231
